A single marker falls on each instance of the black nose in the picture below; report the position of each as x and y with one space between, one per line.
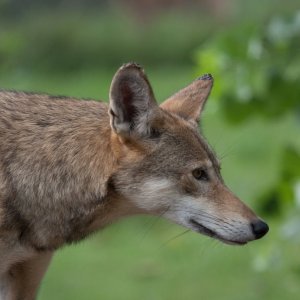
259 228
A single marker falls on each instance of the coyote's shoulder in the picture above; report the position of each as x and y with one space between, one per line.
52 156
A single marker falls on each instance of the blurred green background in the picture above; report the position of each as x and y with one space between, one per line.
252 120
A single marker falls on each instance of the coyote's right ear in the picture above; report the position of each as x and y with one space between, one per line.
189 102
131 101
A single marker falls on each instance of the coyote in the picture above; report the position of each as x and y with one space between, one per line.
69 167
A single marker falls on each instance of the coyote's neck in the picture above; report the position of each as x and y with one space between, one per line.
115 205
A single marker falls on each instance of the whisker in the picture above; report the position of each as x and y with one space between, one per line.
150 225
225 155
204 214
173 238
231 147
215 244
209 216
219 222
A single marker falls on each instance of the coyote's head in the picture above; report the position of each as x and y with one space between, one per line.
166 166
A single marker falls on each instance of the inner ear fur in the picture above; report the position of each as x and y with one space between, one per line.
189 102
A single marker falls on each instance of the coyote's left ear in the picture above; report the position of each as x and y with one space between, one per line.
189 102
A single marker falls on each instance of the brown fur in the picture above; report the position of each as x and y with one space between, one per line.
69 167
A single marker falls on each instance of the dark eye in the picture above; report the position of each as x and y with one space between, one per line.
200 174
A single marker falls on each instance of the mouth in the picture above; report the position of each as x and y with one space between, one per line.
208 232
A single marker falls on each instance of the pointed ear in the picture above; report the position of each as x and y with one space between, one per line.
189 102
131 101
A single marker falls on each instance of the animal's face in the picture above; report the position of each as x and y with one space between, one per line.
167 168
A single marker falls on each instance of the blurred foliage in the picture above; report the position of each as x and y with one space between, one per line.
285 192
257 69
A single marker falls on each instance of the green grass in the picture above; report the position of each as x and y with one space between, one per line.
133 258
